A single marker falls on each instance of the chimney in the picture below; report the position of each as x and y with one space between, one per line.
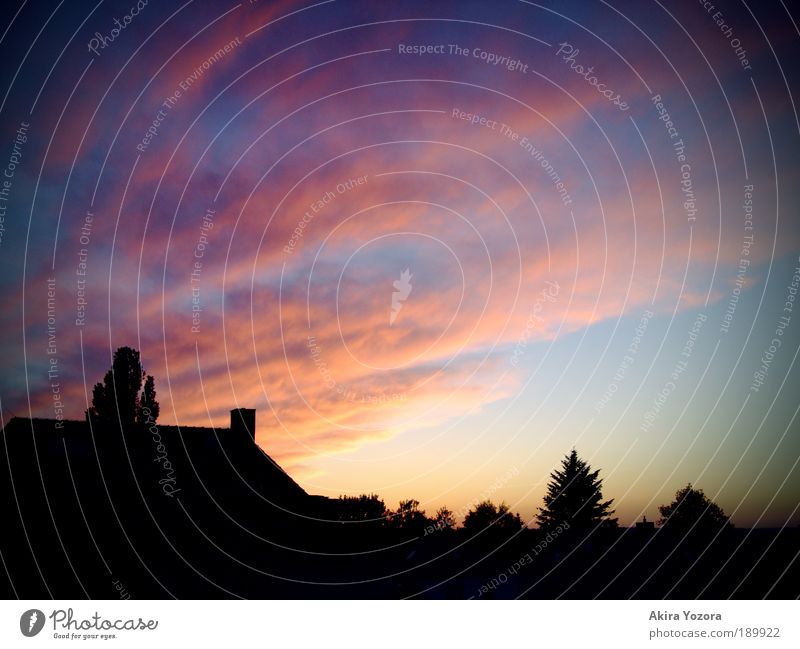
243 422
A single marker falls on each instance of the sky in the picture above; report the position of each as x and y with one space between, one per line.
435 245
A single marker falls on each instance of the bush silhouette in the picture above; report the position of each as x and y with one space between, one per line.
361 508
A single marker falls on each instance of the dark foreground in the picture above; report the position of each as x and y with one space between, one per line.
84 518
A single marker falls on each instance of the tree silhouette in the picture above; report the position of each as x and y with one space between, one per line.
444 519
574 496
118 399
408 517
486 514
148 406
692 510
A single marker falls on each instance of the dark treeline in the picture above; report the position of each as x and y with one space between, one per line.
121 505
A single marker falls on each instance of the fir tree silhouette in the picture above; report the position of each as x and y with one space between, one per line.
574 496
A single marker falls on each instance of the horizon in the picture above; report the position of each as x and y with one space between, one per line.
459 512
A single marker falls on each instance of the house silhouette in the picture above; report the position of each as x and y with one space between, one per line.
86 503
189 450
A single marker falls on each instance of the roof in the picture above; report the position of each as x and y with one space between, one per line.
207 450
